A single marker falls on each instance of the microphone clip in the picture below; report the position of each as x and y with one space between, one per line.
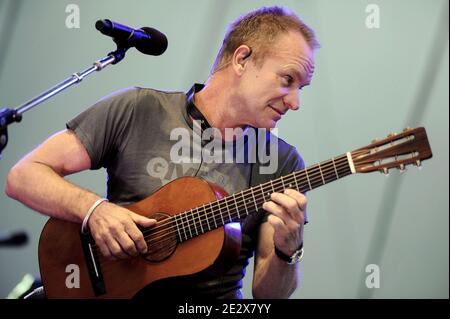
119 54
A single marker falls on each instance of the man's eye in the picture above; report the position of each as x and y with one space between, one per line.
288 80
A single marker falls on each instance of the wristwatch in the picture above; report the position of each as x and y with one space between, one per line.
295 258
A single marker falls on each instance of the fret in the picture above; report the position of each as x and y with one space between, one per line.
282 183
295 180
228 209
334 166
206 217
321 174
254 200
194 222
183 225
237 208
178 227
212 213
329 173
307 177
199 219
273 188
221 216
268 193
245 205
189 227
262 192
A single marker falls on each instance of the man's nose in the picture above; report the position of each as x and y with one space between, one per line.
292 99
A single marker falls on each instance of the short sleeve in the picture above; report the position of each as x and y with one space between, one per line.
103 128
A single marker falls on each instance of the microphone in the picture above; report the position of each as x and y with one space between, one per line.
13 239
146 40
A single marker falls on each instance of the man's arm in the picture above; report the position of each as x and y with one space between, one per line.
273 277
37 181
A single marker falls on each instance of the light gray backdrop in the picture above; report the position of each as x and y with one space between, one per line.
368 82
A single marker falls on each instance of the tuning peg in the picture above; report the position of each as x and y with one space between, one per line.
391 134
385 171
402 168
375 140
406 129
419 164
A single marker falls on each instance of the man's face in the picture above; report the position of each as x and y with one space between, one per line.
270 90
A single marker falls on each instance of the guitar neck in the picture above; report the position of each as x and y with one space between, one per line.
232 208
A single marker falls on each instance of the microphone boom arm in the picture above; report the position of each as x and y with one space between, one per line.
8 116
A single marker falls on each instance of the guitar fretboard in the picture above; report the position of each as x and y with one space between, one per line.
233 208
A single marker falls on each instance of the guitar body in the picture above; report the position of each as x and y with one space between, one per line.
61 252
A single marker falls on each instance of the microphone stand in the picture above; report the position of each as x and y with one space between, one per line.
8 116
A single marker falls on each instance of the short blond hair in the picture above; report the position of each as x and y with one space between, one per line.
259 29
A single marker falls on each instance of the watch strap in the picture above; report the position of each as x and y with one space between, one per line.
296 256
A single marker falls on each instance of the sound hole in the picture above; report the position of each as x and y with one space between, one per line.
161 238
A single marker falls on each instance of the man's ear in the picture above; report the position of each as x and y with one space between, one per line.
240 58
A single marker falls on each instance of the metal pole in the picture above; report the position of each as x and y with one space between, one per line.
74 79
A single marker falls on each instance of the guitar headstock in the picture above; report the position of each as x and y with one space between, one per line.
410 147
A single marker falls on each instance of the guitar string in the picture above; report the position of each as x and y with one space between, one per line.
169 237
322 170
171 241
233 214
288 177
229 198
162 240
280 181
232 199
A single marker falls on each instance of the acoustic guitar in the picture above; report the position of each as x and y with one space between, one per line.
197 229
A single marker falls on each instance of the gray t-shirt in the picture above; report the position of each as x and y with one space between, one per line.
145 139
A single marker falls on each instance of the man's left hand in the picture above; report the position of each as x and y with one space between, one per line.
287 216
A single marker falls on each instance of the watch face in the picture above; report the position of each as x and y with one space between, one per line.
297 256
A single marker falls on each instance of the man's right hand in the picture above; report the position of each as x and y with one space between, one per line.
116 233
